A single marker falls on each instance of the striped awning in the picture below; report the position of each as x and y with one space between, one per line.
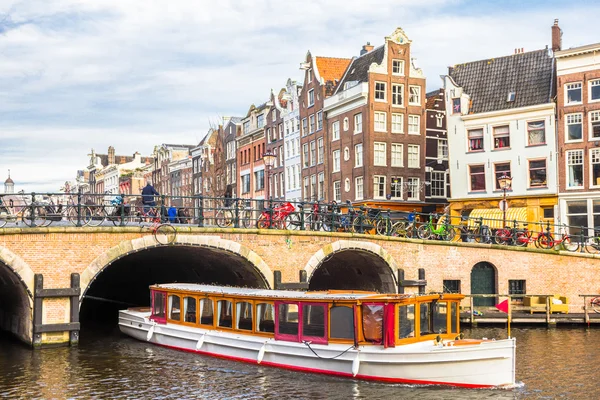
492 217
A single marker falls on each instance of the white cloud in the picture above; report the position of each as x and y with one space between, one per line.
77 74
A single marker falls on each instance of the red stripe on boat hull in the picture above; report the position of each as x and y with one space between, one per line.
326 372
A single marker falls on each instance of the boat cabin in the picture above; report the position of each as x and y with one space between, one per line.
362 318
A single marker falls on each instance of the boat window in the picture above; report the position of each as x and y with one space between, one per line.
158 305
424 319
440 317
406 321
206 312
225 313
372 320
189 309
174 307
453 317
288 319
341 322
313 320
243 315
265 317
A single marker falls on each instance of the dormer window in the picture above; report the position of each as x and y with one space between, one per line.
511 97
456 106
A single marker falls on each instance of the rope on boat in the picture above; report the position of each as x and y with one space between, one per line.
327 358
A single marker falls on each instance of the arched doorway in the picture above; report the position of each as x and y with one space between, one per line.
483 281
353 270
15 305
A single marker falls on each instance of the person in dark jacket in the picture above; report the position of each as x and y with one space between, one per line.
148 193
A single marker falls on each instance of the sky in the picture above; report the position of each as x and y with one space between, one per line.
77 75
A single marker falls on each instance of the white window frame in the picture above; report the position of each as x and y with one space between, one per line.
441 194
397 123
358 155
378 181
571 86
359 188
320 151
593 116
441 146
411 119
568 164
305 156
311 124
399 185
417 189
335 156
321 186
414 163
313 153
411 95
594 154
397 95
379 154
319 120
377 92
400 65
310 96
592 83
567 123
337 191
358 123
379 124
398 160
335 131
304 127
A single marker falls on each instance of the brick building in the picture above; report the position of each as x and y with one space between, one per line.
232 128
437 175
376 133
274 134
578 105
321 76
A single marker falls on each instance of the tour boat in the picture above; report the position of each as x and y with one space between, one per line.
398 338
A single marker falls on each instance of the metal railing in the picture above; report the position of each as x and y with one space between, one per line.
84 209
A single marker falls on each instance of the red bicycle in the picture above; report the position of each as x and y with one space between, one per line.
547 241
276 218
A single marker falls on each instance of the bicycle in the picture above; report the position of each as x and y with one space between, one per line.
29 214
547 241
279 217
406 227
428 230
225 217
72 212
595 304
593 245
164 233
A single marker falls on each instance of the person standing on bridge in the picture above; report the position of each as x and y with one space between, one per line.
148 193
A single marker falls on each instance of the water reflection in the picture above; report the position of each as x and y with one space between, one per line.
550 363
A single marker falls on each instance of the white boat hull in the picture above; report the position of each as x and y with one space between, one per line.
486 364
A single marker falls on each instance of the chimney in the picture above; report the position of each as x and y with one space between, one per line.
366 48
111 155
556 36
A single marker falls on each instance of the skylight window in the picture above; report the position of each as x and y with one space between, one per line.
511 97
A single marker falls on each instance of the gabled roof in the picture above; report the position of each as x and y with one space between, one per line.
433 97
358 70
331 68
488 82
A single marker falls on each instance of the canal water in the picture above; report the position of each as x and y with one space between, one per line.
551 363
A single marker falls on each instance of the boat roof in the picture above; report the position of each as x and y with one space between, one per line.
285 294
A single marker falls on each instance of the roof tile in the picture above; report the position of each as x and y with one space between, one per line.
331 68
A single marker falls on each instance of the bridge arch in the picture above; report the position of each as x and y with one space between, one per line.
343 265
16 295
128 247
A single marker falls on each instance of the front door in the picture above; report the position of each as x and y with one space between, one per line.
483 281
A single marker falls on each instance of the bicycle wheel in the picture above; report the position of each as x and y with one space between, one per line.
383 226
503 236
570 245
224 218
521 239
595 303
292 221
38 219
399 229
591 247
85 217
423 232
362 225
246 219
545 241
97 215
165 234
4 216
262 222
449 234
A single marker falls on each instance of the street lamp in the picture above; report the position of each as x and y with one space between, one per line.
269 160
505 183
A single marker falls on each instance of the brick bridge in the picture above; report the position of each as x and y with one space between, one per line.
48 276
